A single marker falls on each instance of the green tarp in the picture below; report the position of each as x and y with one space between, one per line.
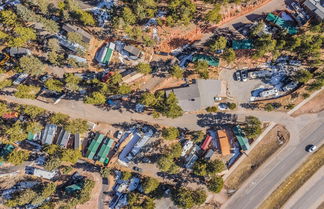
244 142
281 23
108 56
211 60
242 44
104 150
92 149
30 136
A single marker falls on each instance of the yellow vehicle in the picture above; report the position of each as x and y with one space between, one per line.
4 58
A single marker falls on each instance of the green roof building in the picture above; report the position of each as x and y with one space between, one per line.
209 59
94 145
104 151
281 23
243 141
242 44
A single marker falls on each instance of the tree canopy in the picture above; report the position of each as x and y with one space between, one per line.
31 65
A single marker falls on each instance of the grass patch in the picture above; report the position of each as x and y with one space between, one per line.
286 189
267 147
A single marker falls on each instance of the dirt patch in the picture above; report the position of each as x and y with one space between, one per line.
275 139
295 181
95 194
168 83
315 105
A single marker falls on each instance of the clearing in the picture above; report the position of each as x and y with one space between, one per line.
275 139
295 181
315 105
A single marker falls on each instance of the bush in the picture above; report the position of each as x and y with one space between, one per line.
150 184
215 184
269 107
305 95
126 175
232 106
212 109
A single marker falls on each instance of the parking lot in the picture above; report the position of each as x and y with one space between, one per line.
241 91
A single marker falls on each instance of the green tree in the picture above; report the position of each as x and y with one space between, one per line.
215 184
52 163
22 198
197 136
182 11
170 133
85 17
34 127
148 99
21 37
200 168
16 132
186 198
51 149
303 76
53 44
201 67
213 15
31 65
53 57
257 29
175 150
42 4
27 92
3 36
105 172
129 16
215 167
46 191
54 85
59 119
176 71
218 44
229 55
77 126
17 157
150 184
33 111
96 98
232 106
253 127
72 82
70 155
171 108
269 107
124 89
3 108
8 17
144 68
75 38
126 175
165 163
5 83
263 45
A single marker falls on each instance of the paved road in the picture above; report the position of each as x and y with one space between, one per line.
261 184
310 195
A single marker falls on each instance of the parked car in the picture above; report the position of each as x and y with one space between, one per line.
137 169
20 78
119 134
244 75
238 75
146 160
311 148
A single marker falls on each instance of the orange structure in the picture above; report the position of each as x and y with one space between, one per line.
224 142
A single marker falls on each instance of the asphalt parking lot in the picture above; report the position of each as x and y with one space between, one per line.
240 91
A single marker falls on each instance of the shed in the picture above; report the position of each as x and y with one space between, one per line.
105 53
243 141
77 141
133 50
49 133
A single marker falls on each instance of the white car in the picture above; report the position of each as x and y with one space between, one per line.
119 134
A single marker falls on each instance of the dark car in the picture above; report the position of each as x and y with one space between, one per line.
310 148
137 169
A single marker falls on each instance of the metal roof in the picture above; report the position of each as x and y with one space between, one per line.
133 50
223 142
86 37
244 142
49 133
92 149
200 94
104 150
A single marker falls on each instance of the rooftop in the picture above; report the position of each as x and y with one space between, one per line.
200 94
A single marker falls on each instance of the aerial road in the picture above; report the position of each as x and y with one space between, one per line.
260 185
